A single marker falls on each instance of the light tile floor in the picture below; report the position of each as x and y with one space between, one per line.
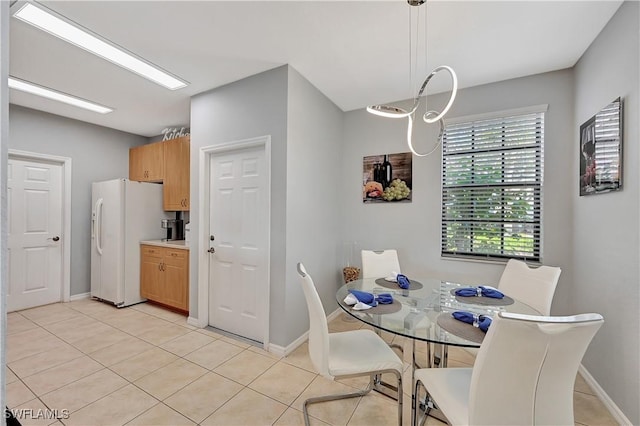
144 365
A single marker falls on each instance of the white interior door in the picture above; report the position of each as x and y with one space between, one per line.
239 224
35 241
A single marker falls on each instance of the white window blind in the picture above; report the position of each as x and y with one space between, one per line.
491 187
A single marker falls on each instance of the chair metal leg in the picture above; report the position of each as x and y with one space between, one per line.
426 407
417 405
356 394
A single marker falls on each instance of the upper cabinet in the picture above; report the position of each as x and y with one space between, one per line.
166 162
146 162
177 174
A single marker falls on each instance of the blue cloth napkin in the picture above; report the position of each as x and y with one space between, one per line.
364 297
370 299
403 281
479 291
384 299
481 321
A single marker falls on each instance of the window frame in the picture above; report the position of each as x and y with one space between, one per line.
537 189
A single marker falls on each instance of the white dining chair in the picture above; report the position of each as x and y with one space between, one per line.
524 373
533 286
349 353
379 264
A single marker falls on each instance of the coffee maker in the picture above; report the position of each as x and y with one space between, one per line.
174 227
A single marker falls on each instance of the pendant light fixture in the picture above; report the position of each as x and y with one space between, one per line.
429 117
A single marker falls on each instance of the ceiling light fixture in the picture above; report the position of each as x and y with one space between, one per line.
429 117
45 92
73 33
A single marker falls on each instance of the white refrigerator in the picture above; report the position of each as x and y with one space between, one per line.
124 213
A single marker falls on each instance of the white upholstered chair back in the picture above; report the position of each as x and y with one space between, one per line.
525 370
379 264
318 328
533 286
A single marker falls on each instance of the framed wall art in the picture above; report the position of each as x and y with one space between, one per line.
387 178
601 151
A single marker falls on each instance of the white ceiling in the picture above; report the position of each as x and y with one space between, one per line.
355 52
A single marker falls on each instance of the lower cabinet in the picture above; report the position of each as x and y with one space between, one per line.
164 276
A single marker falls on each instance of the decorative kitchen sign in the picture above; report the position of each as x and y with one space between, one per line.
387 178
601 151
169 133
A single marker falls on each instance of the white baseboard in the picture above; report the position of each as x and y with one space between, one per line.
194 322
278 350
617 414
283 351
79 297
333 315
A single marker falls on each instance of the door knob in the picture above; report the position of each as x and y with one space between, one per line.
56 238
211 250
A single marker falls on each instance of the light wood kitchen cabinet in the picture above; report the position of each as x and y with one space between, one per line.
147 162
150 272
176 174
166 162
164 276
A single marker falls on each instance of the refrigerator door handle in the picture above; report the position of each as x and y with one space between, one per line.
98 230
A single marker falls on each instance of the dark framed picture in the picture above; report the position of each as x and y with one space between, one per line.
387 178
601 151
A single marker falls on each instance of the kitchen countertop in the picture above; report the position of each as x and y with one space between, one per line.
178 244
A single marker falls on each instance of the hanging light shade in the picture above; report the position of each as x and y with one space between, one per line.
429 117
389 111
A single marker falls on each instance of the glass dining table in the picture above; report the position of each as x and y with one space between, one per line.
423 312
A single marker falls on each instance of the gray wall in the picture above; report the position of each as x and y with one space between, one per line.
97 153
414 228
605 226
595 240
314 186
252 107
306 133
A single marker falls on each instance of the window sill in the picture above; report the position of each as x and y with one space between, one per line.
487 260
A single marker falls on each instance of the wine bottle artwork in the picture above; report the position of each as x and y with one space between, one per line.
387 172
387 178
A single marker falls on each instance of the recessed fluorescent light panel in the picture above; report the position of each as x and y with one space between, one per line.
74 34
34 89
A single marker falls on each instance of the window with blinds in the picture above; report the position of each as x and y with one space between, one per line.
491 187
